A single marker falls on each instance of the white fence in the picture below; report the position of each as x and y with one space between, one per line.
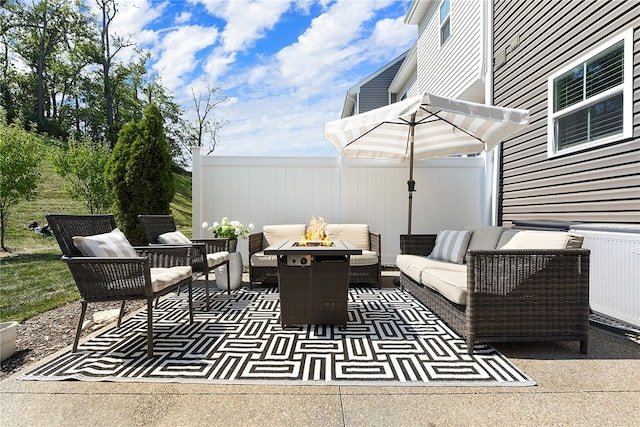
450 193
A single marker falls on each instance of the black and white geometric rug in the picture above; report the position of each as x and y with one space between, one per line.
390 339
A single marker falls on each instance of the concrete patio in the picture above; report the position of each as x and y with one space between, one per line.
600 388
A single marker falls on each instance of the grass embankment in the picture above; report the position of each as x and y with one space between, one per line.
32 277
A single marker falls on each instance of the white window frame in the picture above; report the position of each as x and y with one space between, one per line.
627 97
443 22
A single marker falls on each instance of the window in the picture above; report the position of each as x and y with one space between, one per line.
590 99
445 21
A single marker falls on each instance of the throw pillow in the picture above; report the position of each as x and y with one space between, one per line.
174 238
451 246
112 244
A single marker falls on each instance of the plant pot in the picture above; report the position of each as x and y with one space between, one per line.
235 272
8 334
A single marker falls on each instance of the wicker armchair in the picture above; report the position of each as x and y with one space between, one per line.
512 295
102 279
207 254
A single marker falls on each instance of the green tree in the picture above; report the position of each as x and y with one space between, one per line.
139 173
83 163
20 156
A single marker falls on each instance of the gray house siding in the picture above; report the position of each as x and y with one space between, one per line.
375 92
532 40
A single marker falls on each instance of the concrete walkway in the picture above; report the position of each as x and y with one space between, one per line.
601 388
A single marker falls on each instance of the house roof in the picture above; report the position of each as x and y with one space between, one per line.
418 10
351 99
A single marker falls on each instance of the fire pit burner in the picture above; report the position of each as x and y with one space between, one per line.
314 243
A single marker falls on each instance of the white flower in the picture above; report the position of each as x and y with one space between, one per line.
205 225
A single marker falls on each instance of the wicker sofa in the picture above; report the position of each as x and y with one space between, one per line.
513 285
365 268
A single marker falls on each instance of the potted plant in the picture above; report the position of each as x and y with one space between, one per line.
229 230
8 334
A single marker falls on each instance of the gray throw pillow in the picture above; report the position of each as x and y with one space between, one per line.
451 246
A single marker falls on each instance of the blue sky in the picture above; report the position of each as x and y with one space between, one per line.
284 65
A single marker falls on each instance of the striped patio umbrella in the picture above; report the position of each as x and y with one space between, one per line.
423 127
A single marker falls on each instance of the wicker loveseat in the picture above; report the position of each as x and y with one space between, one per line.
365 268
513 285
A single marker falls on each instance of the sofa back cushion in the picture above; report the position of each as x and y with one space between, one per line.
451 246
174 238
358 234
484 237
277 233
534 239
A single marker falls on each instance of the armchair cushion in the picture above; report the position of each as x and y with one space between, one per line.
217 258
162 278
112 244
174 238
451 246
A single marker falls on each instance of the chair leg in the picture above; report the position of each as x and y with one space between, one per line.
191 302
150 327
83 311
228 278
121 312
206 286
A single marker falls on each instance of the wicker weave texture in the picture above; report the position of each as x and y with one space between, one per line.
114 279
514 295
315 294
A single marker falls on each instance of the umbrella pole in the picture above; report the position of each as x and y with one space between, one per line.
411 183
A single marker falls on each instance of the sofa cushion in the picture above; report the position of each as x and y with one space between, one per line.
412 265
174 238
162 278
277 233
450 284
534 239
367 258
358 234
112 244
451 246
484 237
259 259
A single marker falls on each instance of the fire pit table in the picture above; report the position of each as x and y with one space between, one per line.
313 280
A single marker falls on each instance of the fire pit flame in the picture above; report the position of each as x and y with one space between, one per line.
315 235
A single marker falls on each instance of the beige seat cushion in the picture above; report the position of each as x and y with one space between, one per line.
217 258
450 284
259 259
367 258
163 278
412 265
277 233
358 234
484 237
534 239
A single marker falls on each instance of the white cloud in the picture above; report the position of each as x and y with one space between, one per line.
392 32
178 52
246 20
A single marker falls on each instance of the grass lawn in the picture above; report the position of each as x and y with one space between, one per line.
33 279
